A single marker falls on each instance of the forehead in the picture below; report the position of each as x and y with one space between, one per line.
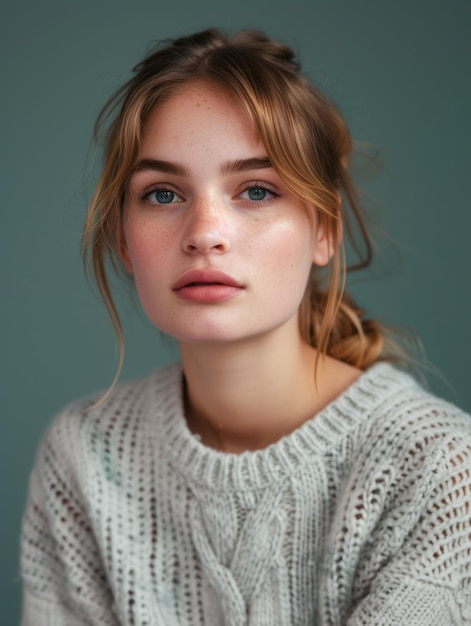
198 114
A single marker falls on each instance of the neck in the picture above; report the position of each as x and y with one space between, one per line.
247 395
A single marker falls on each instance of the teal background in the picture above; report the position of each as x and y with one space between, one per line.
400 72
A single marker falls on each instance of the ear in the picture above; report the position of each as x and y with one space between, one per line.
329 234
123 249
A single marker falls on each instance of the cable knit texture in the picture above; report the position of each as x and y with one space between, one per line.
360 517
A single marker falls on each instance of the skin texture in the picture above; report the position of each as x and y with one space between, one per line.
267 247
198 211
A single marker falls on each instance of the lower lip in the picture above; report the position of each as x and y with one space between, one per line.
208 293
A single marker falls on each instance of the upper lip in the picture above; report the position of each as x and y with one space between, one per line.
207 276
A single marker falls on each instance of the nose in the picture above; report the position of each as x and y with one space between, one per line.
207 230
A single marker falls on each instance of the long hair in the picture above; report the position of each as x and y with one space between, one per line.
307 142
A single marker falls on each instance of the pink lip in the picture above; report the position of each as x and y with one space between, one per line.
207 286
205 277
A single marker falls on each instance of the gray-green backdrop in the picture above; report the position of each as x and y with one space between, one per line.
401 74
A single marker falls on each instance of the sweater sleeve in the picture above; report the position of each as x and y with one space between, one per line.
428 581
63 577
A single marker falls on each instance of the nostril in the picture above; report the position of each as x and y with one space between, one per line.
204 242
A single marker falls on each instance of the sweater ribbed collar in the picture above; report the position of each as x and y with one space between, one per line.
258 469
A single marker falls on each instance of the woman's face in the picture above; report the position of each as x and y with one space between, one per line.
220 249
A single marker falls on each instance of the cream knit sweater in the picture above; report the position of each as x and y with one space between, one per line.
359 517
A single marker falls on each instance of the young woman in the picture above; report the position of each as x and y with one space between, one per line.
284 473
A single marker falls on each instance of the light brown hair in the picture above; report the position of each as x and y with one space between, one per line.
307 142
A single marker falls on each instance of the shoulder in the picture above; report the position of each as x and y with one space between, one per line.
404 505
125 399
409 444
412 452
399 409
97 424
91 464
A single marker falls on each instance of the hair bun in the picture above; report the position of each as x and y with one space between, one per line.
258 40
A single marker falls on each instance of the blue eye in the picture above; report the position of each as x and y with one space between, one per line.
258 193
161 196
164 197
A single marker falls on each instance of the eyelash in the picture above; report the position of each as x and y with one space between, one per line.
259 184
144 195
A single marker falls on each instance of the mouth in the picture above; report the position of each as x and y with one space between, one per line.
206 278
207 286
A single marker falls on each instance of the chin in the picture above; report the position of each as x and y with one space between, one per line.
197 332
207 337
224 327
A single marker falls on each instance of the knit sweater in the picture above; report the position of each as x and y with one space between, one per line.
359 517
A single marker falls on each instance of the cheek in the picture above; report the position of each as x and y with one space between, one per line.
148 253
147 247
288 250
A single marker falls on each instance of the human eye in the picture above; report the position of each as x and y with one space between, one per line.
259 192
159 195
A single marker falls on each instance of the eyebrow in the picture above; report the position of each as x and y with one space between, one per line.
243 165
239 165
160 166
